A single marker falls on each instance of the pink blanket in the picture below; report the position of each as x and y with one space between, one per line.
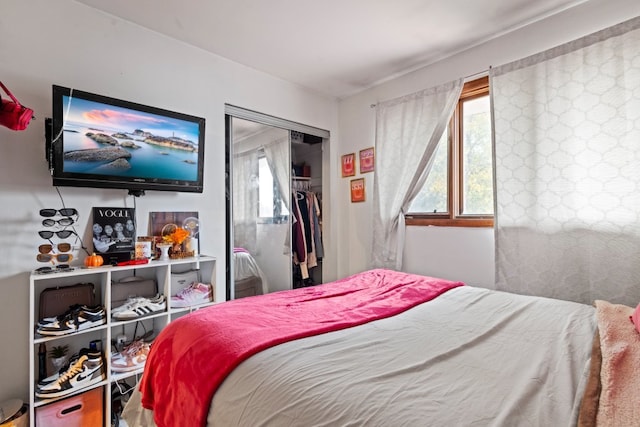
620 371
195 353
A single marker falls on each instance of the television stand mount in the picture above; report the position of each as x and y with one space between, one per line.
136 193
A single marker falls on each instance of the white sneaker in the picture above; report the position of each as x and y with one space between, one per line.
140 307
133 302
194 294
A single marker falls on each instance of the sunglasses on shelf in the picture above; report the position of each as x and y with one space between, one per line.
57 269
48 222
57 257
61 247
63 234
62 212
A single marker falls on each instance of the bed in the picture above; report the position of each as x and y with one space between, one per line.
248 277
384 348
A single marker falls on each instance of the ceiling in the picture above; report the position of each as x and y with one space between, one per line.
336 47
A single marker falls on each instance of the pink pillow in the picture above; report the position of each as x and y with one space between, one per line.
635 317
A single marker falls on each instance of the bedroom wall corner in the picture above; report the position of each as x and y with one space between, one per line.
357 130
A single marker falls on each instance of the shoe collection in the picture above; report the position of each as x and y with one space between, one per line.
194 294
131 357
84 369
138 307
77 318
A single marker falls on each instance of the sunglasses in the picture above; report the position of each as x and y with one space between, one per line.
63 234
62 247
48 222
63 212
57 257
56 269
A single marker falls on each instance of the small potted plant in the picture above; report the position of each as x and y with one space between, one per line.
58 355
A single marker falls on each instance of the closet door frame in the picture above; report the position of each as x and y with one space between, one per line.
231 112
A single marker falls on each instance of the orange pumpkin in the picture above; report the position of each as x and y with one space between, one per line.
93 260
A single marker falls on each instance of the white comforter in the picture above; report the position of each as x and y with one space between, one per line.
245 266
471 357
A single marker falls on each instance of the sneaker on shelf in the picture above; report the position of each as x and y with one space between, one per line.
194 294
85 371
47 320
140 307
71 361
131 357
77 320
135 302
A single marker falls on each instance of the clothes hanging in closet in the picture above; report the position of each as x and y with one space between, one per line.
306 233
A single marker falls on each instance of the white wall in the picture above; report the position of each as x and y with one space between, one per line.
62 42
430 250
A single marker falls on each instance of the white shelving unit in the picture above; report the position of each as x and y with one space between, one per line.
102 278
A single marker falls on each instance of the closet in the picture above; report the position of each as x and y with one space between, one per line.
306 186
274 180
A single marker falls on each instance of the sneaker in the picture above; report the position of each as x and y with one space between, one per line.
85 371
65 367
135 302
47 320
194 294
83 318
131 357
140 307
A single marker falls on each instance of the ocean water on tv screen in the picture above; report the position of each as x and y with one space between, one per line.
148 160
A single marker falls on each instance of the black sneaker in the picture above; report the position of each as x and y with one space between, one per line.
85 351
81 374
48 320
83 318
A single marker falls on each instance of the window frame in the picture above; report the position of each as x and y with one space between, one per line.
454 216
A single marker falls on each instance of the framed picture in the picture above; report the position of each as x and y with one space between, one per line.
357 190
349 165
367 160
114 233
164 223
159 221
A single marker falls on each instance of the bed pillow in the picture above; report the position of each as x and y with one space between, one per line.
635 318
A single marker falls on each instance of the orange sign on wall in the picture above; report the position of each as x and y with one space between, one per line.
357 190
349 165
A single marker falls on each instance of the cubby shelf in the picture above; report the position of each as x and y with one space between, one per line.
102 278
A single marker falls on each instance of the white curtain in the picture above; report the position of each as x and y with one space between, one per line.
567 169
277 154
407 133
245 199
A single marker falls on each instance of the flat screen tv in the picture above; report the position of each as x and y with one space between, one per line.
103 142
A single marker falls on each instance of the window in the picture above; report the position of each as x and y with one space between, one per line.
271 207
459 188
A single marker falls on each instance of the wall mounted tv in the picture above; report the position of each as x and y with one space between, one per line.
103 142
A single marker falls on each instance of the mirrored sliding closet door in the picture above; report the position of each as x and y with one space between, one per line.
271 195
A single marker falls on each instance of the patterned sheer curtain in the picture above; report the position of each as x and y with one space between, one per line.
245 199
567 169
407 133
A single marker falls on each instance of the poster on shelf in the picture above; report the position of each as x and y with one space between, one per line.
114 233
164 223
